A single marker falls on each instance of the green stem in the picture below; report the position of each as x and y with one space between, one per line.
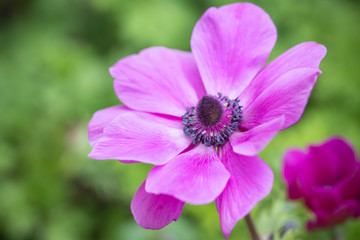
251 228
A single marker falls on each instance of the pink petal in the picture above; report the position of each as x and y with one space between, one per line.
141 137
283 87
231 44
320 175
288 98
100 119
253 141
328 197
195 177
321 197
338 149
349 186
311 176
328 164
154 211
325 167
344 211
304 55
294 163
158 80
251 180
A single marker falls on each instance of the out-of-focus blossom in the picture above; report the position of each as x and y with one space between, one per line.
202 117
327 178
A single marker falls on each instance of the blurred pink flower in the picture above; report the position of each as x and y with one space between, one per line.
183 114
327 177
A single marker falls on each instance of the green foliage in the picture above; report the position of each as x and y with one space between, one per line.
289 235
54 60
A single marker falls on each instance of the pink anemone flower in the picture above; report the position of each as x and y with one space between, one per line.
202 117
327 178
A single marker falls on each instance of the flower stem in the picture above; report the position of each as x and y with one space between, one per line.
251 227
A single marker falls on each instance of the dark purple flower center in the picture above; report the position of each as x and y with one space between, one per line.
213 120
209 111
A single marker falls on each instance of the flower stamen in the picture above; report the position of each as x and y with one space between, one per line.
213 120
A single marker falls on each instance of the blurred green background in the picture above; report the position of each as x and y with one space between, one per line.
54 60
